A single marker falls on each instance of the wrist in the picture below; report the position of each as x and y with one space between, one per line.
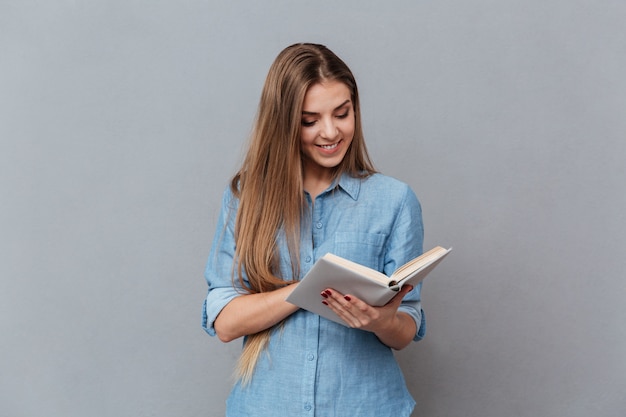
398 332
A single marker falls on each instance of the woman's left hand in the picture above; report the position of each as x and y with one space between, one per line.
384 321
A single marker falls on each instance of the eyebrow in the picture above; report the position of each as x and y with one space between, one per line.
311 113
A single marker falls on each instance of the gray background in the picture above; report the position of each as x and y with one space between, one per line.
121 122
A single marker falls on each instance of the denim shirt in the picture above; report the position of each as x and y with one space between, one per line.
313 366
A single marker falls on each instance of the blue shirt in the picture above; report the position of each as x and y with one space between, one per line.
315 367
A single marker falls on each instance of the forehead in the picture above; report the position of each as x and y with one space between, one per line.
326 95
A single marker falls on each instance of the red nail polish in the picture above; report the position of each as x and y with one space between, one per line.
347 297
324 302
328 293
323 294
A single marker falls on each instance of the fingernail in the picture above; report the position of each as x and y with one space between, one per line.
328 293
347 297
323 294
324 302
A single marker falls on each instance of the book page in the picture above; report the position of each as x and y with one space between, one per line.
418 263
361 269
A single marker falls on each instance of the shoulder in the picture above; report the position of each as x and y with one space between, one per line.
378 179
230 201
384 187
382 193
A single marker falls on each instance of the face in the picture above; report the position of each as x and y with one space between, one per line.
327 127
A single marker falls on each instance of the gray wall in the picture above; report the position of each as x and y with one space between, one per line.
121 122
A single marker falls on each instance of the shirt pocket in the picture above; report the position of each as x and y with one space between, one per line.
363 248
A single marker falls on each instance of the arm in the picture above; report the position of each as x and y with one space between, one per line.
229 311
252 313
401 320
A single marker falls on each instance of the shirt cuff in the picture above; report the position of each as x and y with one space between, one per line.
414 309
215 301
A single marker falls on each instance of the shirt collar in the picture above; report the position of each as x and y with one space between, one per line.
350 185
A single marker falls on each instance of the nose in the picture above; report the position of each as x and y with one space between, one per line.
328 129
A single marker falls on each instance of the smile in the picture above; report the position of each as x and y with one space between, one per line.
329 147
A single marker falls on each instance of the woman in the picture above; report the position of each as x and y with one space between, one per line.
307 187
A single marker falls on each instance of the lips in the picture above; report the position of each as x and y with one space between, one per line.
329 147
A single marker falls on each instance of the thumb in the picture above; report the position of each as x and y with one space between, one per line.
397 299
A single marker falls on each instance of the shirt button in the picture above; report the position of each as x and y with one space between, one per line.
318 225
307 407
310 356
308 259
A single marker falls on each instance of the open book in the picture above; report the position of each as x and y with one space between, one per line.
347 277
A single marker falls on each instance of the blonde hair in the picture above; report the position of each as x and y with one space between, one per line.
269 184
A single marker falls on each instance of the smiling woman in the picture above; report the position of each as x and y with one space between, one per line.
306 188
327 132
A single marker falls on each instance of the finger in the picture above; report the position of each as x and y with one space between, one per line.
357 311
341 305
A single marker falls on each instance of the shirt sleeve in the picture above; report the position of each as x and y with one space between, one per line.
219 268
405 243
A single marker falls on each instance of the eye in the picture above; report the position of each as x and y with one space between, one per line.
345 112
307 123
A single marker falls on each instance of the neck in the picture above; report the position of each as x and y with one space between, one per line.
316 178
315 186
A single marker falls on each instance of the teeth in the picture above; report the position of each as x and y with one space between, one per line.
329 146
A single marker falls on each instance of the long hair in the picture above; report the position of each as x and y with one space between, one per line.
269 184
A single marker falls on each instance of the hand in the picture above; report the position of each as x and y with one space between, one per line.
360 315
